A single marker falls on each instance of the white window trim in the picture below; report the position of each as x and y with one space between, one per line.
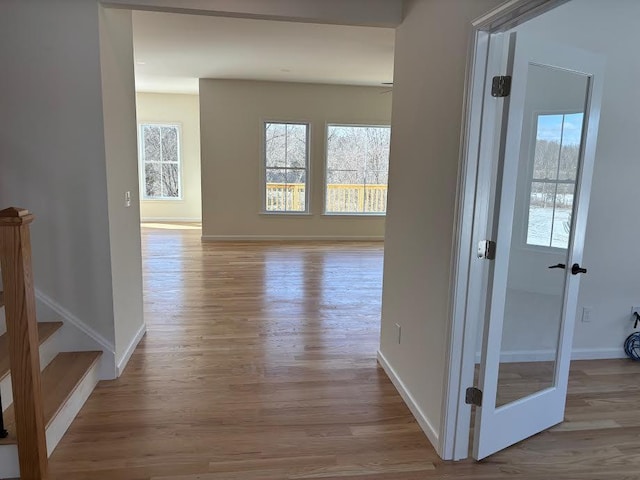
526 204
141 163
326 171
263 170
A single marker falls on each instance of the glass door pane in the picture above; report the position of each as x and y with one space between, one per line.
548 168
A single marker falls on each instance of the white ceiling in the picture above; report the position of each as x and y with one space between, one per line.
173 50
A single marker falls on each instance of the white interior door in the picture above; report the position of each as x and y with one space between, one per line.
541 210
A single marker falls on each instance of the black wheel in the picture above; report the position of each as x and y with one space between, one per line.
632 346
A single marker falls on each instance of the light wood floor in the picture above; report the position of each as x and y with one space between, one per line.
259 364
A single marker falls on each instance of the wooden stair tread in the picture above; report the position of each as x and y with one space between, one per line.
45 330
59 381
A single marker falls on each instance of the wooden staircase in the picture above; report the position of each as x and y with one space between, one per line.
42 389
45 332
62 380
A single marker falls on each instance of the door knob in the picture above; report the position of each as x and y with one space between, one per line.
576 269
559 265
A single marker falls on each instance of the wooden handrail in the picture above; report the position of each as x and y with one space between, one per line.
22 329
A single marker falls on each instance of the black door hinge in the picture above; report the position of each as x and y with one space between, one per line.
501 86
487 250
473 396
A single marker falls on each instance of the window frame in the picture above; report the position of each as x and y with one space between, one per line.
325 184
264 168
142 162
530 180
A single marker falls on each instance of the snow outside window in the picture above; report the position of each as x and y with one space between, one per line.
553 179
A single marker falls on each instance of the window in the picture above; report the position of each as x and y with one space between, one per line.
553 179
357 169
286 157
160 152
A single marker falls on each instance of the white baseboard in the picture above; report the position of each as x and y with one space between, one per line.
597 353
292 238
170 219
549 355
76 335
418 414
75 321
9 466
62 420
122 364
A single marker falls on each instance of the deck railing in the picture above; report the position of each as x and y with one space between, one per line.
285 197
340 198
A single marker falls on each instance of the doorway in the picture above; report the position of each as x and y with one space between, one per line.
271 131
542 223
538 222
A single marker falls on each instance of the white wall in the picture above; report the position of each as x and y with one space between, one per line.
118 96
612 254
52 150
61 156
232 113
183 110
430 59
375 13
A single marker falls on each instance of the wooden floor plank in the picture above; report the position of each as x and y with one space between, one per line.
260 364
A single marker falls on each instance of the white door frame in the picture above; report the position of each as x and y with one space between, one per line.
476 175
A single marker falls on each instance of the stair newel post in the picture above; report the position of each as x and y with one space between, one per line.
22 330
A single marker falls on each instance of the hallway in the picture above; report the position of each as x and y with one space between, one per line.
259 364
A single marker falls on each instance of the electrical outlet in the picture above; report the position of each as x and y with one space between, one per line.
127 199
587 312
399 332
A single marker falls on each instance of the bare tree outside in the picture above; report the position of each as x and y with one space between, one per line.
286 153
357 168
161 161
555 168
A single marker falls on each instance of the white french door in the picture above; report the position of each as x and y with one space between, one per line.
541 206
